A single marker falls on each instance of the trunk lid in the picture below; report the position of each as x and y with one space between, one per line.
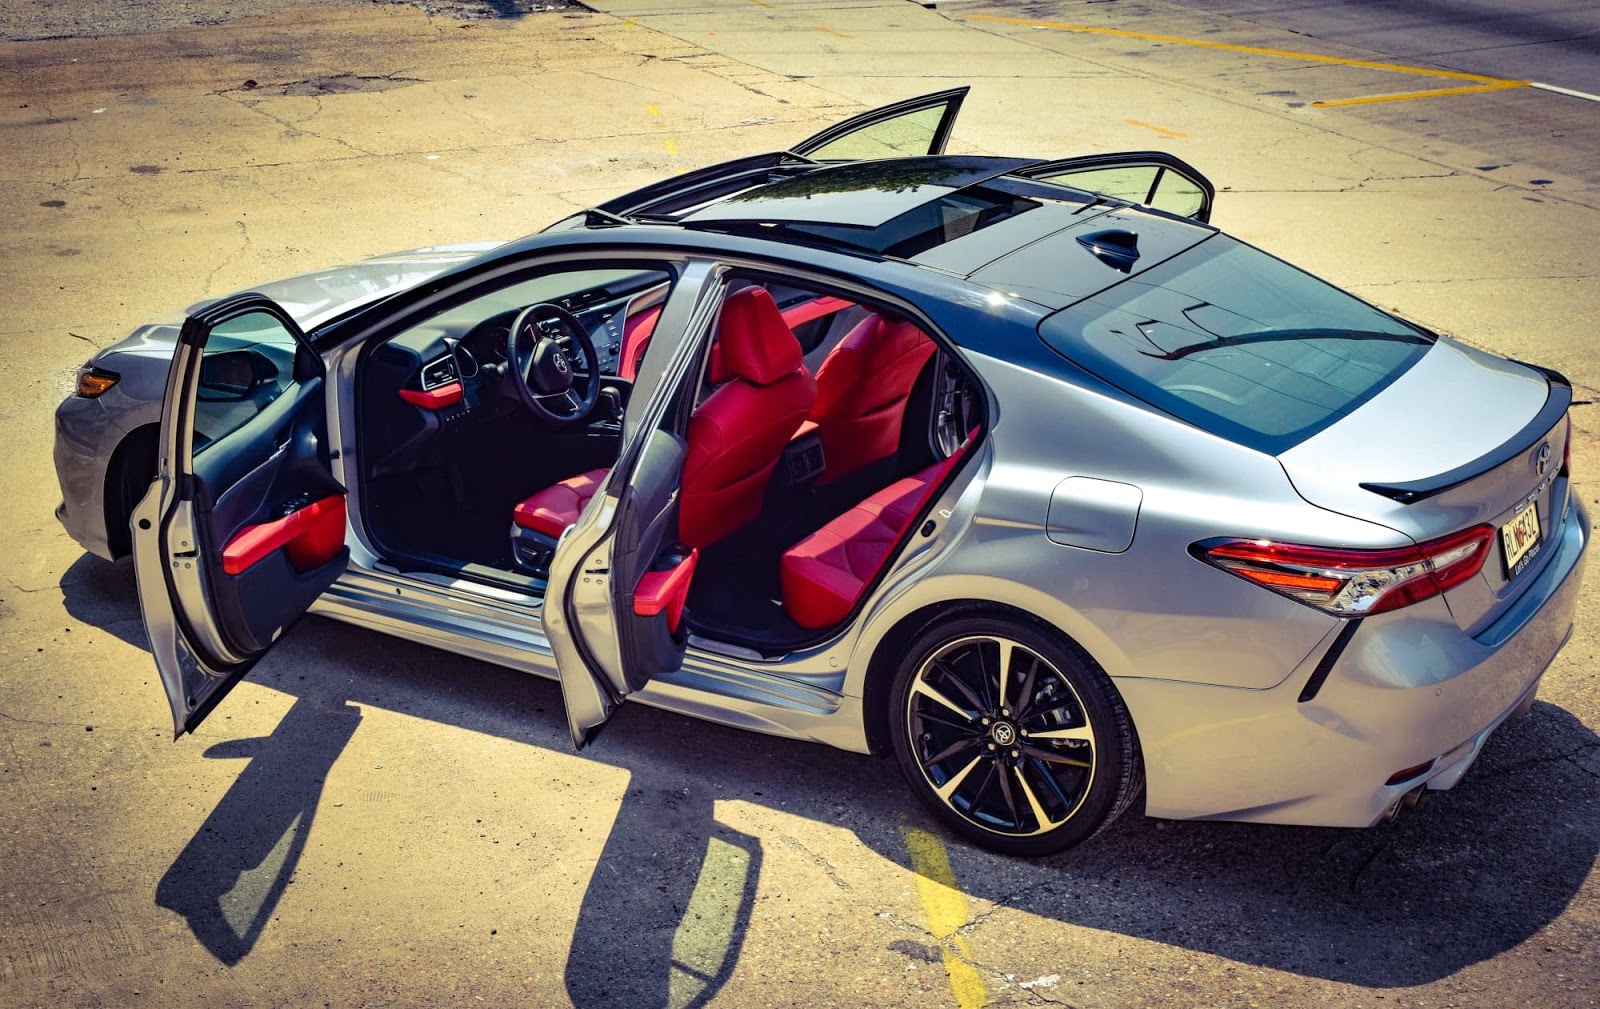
1463 438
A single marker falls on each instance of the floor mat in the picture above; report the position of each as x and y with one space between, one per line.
736 597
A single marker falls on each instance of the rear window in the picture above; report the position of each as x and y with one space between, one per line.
1238 343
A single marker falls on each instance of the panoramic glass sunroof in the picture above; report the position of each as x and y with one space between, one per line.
900 208
862 194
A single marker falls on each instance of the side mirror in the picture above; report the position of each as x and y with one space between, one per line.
234 375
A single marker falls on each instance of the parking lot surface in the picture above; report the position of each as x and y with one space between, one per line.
367 821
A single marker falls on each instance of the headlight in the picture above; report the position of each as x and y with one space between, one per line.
93 381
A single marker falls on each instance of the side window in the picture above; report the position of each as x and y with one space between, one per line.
1122 183
910 135
909 128
1152 184
248 363
1176 195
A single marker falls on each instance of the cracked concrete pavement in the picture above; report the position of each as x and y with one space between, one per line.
370 822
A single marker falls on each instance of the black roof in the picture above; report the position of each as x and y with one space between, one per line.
976 217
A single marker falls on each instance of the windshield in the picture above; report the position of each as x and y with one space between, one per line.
1238 343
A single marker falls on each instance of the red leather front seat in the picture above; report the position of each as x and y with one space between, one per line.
862 389
735 437
739 433
553 509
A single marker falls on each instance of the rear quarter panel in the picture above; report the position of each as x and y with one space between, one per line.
1150 611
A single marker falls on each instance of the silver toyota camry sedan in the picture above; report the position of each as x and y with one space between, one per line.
1014 468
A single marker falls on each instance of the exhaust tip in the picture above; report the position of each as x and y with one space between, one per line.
1410 799
1406 802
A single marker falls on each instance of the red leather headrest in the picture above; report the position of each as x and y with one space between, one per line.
753 341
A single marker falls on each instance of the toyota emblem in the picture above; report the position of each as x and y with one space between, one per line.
560 361
1542 461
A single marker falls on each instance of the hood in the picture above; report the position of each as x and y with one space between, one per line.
314 298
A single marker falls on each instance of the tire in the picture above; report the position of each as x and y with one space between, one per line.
128 476
1031 776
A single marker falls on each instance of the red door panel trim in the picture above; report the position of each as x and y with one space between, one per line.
437 398
816 308
313 536
635 339
666 591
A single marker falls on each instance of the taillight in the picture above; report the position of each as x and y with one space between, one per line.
1355 583
1566 451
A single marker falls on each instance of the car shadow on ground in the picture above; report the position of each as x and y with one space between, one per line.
1469 874
106 596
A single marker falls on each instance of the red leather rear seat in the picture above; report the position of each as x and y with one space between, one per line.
824 575
862 390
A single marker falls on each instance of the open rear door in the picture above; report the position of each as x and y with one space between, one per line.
614 603
244 526
613 606
1154 178
905 129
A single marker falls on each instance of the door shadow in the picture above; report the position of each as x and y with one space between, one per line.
1469 874
688 884
227 880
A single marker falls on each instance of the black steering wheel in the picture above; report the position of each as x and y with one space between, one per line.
545 369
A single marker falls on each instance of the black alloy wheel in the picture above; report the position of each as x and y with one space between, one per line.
1015 739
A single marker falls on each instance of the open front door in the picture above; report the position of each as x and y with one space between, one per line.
1154 178
244 526
908 128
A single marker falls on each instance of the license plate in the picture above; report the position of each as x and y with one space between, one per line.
1520 538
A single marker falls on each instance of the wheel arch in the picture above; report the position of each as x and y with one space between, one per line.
134 455
886 655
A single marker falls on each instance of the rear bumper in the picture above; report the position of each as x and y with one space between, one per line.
1410 688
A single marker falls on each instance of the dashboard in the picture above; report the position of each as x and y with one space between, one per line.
427 394
466 345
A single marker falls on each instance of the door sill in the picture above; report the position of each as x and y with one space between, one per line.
493 583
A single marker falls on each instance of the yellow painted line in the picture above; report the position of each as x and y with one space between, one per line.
946 908
829 31
762 3
653 109
671 145
1230 47
629 23
1151 126
1408 95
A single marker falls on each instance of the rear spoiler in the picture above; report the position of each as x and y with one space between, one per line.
1555 407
